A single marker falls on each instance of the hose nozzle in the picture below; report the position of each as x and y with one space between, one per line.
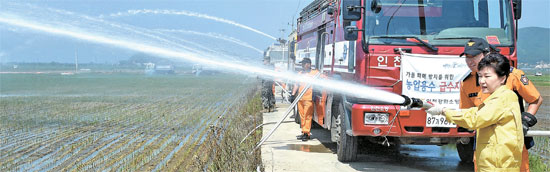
416 103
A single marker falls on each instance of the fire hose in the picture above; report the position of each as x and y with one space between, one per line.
282 88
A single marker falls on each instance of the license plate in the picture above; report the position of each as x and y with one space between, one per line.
438 121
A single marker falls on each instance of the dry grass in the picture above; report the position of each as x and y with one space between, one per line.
222 150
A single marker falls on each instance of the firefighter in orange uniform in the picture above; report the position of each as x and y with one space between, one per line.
471 95
305 104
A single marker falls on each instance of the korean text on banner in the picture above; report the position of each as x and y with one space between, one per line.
435 78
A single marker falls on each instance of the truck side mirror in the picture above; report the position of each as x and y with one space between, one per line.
351 10
350 33
330 10
517 9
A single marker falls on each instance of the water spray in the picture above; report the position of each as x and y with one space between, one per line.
216 36
34 22
342 87
336 86
191 14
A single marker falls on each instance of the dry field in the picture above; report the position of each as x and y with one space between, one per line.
119 122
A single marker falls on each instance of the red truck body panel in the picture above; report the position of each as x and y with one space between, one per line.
377 67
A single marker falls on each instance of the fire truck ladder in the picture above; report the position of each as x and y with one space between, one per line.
314 9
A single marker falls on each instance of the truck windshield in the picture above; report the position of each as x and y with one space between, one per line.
278 56
440 22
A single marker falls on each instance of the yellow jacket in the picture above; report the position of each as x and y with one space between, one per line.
497 122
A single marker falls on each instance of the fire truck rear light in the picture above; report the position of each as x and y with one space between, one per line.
376 118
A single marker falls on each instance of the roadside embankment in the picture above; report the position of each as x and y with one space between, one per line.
222 150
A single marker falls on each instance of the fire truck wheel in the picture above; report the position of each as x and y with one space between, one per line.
333 128
466 151
333 118
346 144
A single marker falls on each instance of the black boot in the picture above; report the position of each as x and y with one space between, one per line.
299 137
305 137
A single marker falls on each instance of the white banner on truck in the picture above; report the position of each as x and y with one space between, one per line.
435 78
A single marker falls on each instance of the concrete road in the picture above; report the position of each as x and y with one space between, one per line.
283 152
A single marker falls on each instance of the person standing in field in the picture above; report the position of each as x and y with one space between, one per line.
497 120
471 94
305 104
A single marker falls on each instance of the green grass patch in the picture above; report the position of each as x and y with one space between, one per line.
539 154
540 80
536 163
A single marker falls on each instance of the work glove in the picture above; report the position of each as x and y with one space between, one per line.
528 120
435 110
291 98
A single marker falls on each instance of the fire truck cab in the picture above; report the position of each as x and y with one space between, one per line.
366 41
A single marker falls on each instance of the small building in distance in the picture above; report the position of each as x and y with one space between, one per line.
152 68
199 69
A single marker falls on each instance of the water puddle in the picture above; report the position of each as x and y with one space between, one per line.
309 148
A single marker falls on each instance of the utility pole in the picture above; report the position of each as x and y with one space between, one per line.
282 36
282 33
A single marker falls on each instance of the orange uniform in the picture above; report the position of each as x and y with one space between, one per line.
305 105
471 96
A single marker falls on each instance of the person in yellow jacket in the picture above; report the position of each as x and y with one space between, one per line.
497 120
305 104
472 96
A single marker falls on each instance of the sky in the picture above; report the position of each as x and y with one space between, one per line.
267 17
535 13
263 18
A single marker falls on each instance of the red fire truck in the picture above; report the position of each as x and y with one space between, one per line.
364 41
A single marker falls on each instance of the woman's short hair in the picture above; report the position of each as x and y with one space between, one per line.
498 62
